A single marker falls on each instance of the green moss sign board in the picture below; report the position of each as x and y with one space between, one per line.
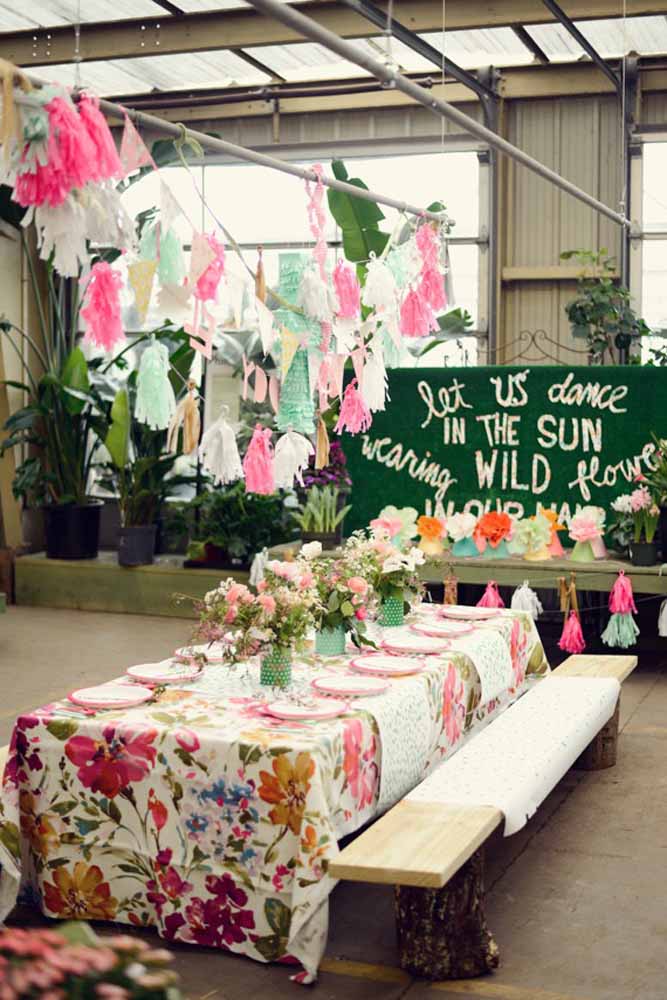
507 437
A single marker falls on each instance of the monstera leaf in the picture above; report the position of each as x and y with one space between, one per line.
358 219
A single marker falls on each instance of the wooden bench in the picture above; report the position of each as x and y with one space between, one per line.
431 849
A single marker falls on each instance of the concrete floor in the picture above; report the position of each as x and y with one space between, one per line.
576 900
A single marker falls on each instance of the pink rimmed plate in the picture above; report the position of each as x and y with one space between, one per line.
213 653
164 672
113 695
350 687
443 630
462 613
416 645
387 665
317 708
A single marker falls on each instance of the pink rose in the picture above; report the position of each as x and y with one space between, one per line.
268 603
236 593
360 613
357 585
230 617
306 580
261 586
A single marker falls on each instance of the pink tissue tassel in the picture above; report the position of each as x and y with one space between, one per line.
107 163
432 289
572 639
348 291
258 463
101 307
354 414
207 284
71 159
417 319
621 598
491 598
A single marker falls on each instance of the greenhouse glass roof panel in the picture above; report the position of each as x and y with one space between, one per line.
612 38
481 47
42 13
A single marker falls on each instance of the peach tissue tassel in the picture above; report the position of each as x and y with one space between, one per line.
187 417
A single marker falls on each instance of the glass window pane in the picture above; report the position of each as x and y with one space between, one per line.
654 286
655 194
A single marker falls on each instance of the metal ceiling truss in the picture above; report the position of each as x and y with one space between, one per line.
581 40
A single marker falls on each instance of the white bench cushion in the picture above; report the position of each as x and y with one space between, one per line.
515 762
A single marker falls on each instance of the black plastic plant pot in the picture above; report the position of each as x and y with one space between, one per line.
136 545
72 530
643 553
327 539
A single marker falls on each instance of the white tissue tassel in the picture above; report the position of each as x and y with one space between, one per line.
291 458
219 452
525 599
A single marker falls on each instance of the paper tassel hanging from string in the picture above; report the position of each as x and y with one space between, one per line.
314 296
491 597
208 281
380 291
374 386
140 275
297 408
572 637
101 306
622 630
219 452
291 458
107 163
260 278
187 417
258 566
164 246
417 319
348 291
354 414
322 446
156 403
258 463
525 599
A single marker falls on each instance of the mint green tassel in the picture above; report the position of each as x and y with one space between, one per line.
171 265
156 402
402 263
296 408
622 631
393 355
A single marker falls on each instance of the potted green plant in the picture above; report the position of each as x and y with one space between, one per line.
602 313
637 516
320 516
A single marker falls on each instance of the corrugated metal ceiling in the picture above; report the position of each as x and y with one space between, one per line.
302 62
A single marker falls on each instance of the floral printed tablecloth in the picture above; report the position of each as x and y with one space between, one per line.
199 815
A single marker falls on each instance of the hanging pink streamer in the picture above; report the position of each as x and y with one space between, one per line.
206 288
491 598
417 319
133 151
71 159
107 163
432 289
258 463
621 599
427 244
572 638
101 306
354 413
348 291
317 222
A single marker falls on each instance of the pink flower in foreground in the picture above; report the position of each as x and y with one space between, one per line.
390 526
306 580
268 603
360 613
236 593
230 617
357 585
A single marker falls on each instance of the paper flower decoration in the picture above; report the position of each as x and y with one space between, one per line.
407 518
491 532
584 528
531 538
431 531
597 544
555 547
460 528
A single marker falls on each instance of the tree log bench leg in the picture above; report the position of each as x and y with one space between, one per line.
442 933
602 751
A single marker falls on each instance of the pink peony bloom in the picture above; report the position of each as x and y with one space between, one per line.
230 617
306 580
360 613
268 603
236 592
357 585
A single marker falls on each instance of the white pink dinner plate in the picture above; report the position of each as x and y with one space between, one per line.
350 687
443 630
113 695
387 665
317 708
164 672
460 612
213 653
410 643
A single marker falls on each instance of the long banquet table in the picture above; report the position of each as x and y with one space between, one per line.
199 815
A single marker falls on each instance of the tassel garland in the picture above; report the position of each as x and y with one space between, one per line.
314 296
354 413
101 308
374 385
622 630
107 163
348 291
187 417
258 463
291 458
206 288
417 319
432 289
219 452
491 597
525 599
156 402
380 291
572 639
322 446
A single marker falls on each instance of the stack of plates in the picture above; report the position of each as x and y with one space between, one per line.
112 695
439 629
165 672
387 665
460 612
350 687
406 641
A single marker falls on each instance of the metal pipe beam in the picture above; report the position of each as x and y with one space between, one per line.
292 18
527 39
211 142
581 39
419 45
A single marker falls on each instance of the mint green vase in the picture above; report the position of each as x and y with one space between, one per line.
391 612
276 669
330 641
